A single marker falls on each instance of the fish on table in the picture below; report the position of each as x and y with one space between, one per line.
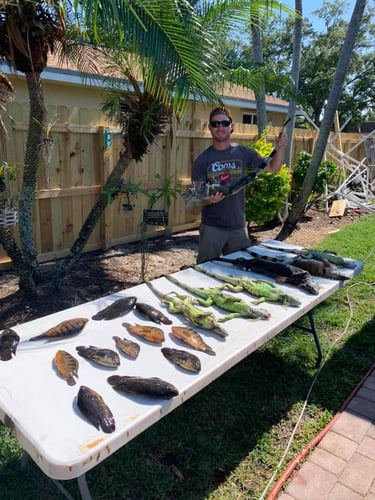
183 359
66 366
150 333
117 309
153 387
92 406
152 313
99 355
192 339
65 329
9 340
127 347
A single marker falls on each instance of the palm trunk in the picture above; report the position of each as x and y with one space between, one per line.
29 184
92 219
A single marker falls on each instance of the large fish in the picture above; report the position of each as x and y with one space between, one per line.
118 308
192 339
153 387
8 344
183 359
150 333
67 366
127 347
152 313
93 407
65 329
103 357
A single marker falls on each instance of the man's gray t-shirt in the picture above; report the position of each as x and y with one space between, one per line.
220 167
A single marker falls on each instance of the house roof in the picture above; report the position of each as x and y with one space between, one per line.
66 72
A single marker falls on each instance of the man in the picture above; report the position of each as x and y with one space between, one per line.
223 227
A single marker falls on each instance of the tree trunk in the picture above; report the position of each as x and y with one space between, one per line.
260 94
29 181
297 42
328 119
93 217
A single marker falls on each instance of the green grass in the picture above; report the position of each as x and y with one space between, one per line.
227 441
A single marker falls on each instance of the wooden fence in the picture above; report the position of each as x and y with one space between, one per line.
74 166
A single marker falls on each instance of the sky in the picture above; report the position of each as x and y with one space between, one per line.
309 6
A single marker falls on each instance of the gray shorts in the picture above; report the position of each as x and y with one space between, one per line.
214 242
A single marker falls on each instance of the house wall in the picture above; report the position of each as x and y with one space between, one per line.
73 169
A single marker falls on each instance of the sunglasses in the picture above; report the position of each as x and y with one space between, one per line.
222 123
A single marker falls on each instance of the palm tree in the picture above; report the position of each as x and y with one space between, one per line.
327 122
29 31
164 44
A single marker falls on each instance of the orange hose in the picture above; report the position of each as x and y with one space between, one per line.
314 442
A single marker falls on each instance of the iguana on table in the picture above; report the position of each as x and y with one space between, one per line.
322 268
322 255
282 273
266 291
215 296
184 304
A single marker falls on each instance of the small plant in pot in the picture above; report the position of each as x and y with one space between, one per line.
8 211
167 192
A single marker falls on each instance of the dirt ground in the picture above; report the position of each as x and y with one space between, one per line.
101 273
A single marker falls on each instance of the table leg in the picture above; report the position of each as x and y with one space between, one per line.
312 330
83 487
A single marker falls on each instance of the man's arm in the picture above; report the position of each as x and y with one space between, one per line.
278 158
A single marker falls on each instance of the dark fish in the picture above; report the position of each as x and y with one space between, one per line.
93 407
150 333
103 357
127 347
153 387
8 344
183 359
67 366
118 308
152 313
67 328
192 339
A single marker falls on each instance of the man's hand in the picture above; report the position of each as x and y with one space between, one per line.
214 198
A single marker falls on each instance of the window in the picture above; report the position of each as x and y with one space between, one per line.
249 119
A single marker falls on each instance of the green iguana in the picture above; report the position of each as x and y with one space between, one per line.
184 304
215 296
265 290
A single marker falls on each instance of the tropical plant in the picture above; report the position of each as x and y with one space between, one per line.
166 191
163 45
327 170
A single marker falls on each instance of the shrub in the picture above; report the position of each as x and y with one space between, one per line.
327 172
265 196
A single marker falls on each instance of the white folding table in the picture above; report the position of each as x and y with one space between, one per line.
40 408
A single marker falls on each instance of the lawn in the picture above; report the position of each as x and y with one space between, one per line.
233 439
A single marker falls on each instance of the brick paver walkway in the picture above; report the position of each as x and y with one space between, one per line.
342 466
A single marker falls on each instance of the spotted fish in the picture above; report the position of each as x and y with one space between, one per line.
153 387
65 329
93 407
183 359
127 347
66 366
9 340
103 357
118 308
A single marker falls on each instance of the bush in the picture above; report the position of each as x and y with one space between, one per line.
265 196
327 172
